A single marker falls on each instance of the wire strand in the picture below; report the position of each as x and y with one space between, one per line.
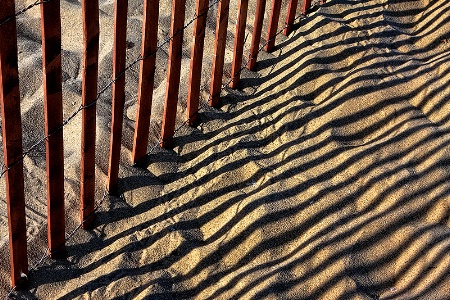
22 11
46 255
27 152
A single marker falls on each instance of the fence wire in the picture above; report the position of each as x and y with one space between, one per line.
161 45
46 254
22 11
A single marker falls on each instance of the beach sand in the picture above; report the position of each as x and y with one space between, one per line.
326 175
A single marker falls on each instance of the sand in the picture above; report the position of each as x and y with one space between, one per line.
325 176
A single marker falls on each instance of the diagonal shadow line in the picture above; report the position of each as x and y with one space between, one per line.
343 30
334 82
318 294
427 11
349 232
200 204
303 66
321 290
388 102
155 266
356 40
326 109
436 282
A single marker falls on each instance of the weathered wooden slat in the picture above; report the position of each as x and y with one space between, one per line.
51 60
290 17
12 145
90 12
196 61
146 78
173 72
273 25
219 52
256 36
118 91
239 43
306 6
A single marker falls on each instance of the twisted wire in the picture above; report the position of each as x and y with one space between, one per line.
22 11
46 255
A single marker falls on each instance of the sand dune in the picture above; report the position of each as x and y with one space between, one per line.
325 176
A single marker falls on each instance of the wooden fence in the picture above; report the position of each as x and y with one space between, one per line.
51 49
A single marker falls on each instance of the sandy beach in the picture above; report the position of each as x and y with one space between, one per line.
325 175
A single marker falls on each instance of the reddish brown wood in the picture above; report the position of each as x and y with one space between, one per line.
306 6
256 36
90 12
146 79
196 61
118 91
219 52
290 17
12 145
51 60
239 43
173 72
273 25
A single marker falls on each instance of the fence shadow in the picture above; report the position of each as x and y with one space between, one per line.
325 178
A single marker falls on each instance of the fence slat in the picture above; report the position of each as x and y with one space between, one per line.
51 60
196 61
239 43
219 52
90 12
12 145
256 35
173 72
290 17
273 24
306 6
146 79
118 91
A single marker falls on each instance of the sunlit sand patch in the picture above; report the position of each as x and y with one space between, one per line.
323 177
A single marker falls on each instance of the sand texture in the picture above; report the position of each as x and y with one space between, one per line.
326 175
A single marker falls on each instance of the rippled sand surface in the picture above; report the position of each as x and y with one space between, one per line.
325 176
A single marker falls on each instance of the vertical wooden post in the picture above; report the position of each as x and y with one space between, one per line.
239 43
51 60
90 12
173 72
12 145
146 78
118 91
256 36
306 6
219 52
273 24
290 17
196 61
